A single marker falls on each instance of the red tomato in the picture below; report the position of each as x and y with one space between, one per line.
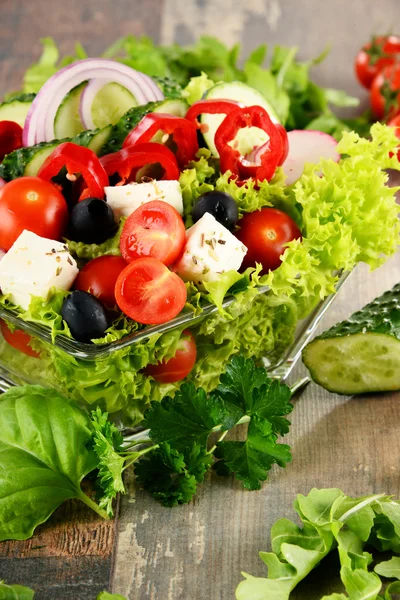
265 234
33 204
395 122
155 229
373 57
179 366
18 339
385 93
99 276
10 137
149 293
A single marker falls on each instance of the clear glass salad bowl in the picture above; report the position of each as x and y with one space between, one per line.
16 368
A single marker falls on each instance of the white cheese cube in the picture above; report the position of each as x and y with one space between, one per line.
211 249
33 265
124 199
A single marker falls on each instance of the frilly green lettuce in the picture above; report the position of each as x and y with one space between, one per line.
196 87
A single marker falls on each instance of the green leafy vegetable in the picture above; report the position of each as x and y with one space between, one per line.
330 520
44 456
107 596
15 592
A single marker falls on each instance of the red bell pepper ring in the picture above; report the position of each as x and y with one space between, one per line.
10 137
232 160
76 159
183 131
285 143
129 160
210 107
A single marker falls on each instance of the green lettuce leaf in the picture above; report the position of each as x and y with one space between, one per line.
196 88
90 251
15 592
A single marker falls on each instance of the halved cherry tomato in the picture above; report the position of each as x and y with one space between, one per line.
265 233
149 293
33 204
18 339
99 276
154 229
381 52
179 366
385 93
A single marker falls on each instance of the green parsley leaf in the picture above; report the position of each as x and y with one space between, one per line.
190 414
170 476
251 460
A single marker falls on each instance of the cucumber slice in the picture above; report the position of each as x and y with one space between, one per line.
177 107
110 104
67 122
361 354
17 109
100 139
247 138
33 166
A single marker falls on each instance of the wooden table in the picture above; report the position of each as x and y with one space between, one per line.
198 551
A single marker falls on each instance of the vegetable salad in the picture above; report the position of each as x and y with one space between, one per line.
190 196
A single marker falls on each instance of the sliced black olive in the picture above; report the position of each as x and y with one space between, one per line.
221 205
85 315
92 221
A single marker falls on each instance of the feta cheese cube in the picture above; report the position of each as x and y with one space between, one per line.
33 265
124 199
211 249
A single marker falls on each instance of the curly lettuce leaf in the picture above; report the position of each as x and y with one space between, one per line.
90 251
196 88
349 215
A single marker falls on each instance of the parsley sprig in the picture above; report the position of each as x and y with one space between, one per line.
186 437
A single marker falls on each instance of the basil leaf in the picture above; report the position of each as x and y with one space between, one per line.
44 456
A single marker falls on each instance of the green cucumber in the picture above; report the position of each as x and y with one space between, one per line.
27 161
247 138
110 104
100 139
67 122
16 109
362 354
177 107
170 88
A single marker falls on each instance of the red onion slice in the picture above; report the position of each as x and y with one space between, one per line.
39 124
87 97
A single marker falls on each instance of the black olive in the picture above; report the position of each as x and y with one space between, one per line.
85 316
92 221
222 206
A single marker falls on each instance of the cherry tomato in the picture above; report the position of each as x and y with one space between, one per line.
33 204
179 366
10 137
385 93
395 122
18 339
373 57
265 234
99 276
149 293
155 229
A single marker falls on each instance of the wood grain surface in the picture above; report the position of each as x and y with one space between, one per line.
198 551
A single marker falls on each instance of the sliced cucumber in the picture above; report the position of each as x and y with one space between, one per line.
16 109
33 166
67 122
100 139
177 107
361 354
111 102
247 138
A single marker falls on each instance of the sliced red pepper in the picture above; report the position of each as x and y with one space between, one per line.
232 160
210 107
130 159
76 159
183 132
10 137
